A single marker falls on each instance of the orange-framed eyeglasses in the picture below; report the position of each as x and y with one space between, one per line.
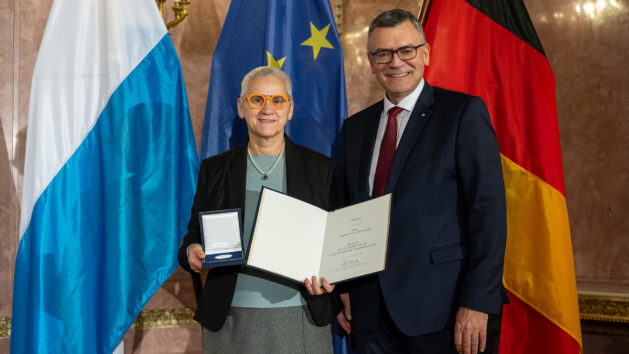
256 101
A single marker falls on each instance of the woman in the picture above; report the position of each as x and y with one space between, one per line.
242 310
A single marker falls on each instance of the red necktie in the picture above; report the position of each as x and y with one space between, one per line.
387 151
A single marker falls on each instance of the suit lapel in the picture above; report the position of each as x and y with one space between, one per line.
366 152
236 178
419 117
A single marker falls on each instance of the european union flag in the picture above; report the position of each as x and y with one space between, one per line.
298 37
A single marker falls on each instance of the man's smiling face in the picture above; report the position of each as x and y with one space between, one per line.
399 77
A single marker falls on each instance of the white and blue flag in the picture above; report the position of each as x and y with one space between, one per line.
109 177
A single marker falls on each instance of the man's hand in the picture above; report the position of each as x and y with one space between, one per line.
196 257
470 331
344 317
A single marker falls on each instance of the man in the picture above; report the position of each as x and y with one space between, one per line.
437 152
242 310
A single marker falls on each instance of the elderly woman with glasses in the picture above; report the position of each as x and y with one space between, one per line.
241 310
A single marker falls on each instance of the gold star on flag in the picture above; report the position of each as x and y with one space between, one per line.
274 63
317 39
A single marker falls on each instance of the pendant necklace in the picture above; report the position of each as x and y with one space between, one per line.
265 175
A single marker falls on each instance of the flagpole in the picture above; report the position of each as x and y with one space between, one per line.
423 13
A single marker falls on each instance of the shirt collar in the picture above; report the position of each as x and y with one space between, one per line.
408 102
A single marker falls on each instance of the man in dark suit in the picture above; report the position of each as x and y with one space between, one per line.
241 310
437 152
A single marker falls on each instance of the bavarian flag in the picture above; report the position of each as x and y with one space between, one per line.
490 49
109 176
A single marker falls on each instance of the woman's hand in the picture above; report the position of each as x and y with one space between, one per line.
314 288
196 256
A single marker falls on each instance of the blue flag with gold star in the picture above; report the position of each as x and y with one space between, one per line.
299 37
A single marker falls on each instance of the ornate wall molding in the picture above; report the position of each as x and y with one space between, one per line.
164 318
5 327
604 314
599 314
603 308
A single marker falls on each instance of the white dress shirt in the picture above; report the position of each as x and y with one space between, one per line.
407 104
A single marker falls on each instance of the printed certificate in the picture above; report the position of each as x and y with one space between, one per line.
297 240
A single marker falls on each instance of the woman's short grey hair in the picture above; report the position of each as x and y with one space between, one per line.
393 18
265 71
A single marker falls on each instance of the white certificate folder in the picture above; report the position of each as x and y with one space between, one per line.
297 240
221 237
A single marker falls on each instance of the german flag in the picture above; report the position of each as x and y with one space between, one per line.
489 48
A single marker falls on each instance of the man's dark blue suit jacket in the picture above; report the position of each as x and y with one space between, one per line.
448 218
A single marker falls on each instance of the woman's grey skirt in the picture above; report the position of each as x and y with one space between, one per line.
269 330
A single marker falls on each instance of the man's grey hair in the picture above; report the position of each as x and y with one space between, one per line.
392 18
265 71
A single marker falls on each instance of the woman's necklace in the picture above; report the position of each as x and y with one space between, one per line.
265 175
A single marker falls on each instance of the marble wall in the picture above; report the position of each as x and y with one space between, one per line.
588 49
586 44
